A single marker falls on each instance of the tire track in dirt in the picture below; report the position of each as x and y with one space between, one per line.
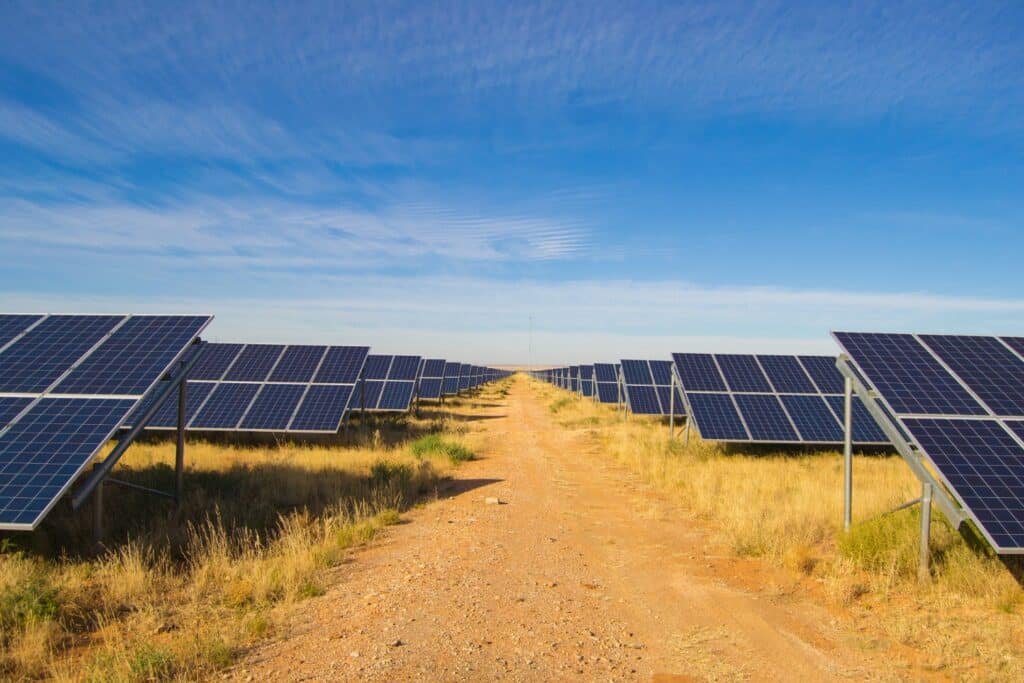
582 573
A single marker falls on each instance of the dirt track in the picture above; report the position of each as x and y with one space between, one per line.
581 573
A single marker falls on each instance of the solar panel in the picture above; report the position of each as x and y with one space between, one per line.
608 392
433 367
215 361
430 388
254 363
273 407
39 358
643 399
225 407
126 362
464 376
83 375
605 372
396 396
950 396
587 380
298 364
342 365
323 408
166 416
431 382
646 388
451 378
772 399
404 368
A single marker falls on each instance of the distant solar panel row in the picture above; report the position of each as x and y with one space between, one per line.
960 400
388 383
67 382
647 386
268 387
431 379
770 399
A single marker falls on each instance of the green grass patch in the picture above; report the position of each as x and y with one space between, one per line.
560 404
887 544
432 444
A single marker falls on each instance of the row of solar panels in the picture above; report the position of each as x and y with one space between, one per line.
738 398
68 383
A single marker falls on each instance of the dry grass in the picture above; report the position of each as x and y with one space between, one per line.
178 596
786 507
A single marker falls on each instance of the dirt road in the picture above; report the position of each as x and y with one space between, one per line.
580 573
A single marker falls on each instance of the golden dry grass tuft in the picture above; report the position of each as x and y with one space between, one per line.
179 595
786 507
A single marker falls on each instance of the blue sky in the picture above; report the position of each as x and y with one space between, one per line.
426 177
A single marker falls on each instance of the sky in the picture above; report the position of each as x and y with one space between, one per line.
497 182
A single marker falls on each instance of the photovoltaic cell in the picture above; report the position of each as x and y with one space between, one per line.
166 417
225 407
38 359
43 452
813 419
128 360
368 393
716 417
742 373
433 367
698 372
608 392
430 388
323 408
636 372
298 363
215 361
13 325
254 363
985 466
787 375
823 371
909 378
662 372
765 418
273 407
991 370
341 365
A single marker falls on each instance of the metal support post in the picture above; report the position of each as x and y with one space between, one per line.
672 409
97 513
847 454
923 568
179 446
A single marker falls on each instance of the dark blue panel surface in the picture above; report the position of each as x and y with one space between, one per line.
13 325
865 429
643 400
813 419
765 418
43 452
322 409
985 467
665 396
662 372
824 372
225 407
608 392
430 388
377 366
698 372
396 395
433 367
254 363
404 368
787 375
10 407
586 372
1016 343
605 372
991 370
215 361
451 386
1017 426
166 416
742 372
342 365
716 418
907 376
298 363
35 361
273 407
587 387
637 372
135 356
368 393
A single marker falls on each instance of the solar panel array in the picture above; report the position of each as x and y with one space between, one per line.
770 399
67 383
268 388
647 387
960 400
